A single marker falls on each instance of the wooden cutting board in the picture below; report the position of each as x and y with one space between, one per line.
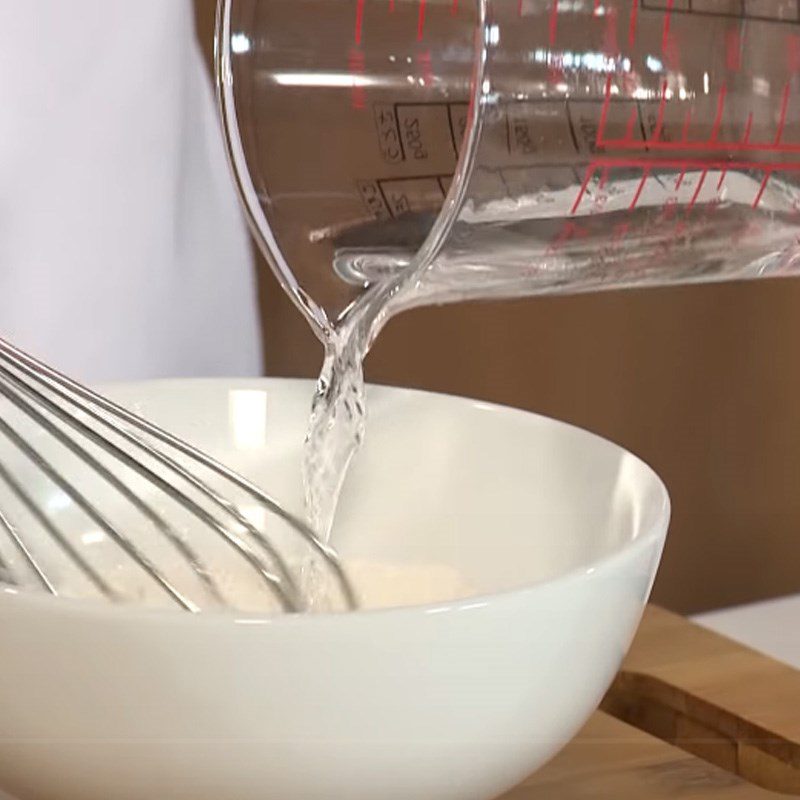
691 716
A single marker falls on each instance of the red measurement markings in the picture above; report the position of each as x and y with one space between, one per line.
733 49
633 21
601 128
421 20
426 67
698 188
684 164
782 119
601 197
762 189
669 44
607 163
640 188
748 128
553 23
661 108
610 38
667 23
720 109
590 170
359 28
355 62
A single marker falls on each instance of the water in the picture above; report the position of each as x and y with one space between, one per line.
339 412
335 432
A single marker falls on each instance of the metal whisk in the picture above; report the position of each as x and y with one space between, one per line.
163 517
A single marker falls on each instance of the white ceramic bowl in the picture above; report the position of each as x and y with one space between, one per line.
557 533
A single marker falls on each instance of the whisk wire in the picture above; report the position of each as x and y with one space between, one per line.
288 600
61 384
291 600
80 500
55 534
117 483
21 374
19 543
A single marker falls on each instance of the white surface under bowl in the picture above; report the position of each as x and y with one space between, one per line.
553 536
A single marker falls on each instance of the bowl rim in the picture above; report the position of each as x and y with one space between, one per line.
652 536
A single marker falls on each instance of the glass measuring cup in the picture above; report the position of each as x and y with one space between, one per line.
438 150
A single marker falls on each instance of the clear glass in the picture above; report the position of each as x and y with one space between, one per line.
483 148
